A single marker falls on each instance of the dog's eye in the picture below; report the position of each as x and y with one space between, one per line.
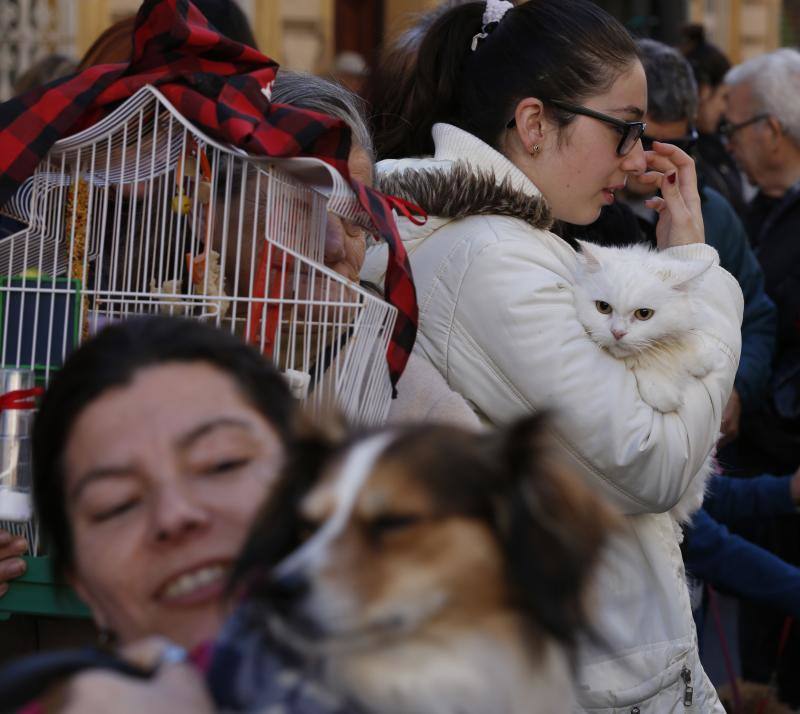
390 523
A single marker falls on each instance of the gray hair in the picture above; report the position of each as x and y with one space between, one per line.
671 86
774 80
308 91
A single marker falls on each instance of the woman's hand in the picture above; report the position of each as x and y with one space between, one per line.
174 688
11 565
680 220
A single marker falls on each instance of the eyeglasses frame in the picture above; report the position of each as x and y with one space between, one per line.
727 129
626 126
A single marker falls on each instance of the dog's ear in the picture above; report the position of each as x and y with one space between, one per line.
552 528
279 528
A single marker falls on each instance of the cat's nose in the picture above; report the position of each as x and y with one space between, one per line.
619 334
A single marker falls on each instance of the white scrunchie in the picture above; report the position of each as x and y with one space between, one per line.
494 12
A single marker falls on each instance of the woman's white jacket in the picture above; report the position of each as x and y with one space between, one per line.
497 319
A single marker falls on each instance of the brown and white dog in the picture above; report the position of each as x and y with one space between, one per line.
431 570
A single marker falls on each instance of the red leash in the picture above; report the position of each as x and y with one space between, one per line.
773 682
726 652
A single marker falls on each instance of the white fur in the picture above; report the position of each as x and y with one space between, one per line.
491 674
665 352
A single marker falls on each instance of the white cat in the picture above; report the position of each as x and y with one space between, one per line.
639 306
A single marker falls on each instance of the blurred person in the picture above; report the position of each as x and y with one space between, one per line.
116 42
350 69
763 129
714 162
504 117
155 445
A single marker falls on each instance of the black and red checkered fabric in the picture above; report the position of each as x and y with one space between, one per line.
216 84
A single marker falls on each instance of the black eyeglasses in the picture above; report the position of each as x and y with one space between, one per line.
685 143
631 131
727 129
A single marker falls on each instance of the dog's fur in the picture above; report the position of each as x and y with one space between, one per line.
756 699
455 580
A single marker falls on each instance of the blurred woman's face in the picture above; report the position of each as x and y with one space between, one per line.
711 107
163 478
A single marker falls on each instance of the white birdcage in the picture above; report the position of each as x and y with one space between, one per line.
142 213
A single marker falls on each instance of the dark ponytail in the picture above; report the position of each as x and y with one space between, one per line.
551 49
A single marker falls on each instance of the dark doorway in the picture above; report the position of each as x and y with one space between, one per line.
660 19
359 27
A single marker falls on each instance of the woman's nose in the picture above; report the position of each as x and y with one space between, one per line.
635 162
176 514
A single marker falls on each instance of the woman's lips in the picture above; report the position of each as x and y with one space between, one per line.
199 585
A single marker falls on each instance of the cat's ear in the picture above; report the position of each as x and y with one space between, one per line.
689 273
587 258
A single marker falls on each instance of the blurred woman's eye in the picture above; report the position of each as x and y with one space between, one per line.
224 466
103 514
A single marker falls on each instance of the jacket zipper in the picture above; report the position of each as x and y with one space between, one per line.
688 692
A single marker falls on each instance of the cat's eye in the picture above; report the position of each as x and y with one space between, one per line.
603 307
643 313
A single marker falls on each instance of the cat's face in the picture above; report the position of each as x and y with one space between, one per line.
633 300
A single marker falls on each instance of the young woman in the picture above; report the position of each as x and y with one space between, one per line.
528 114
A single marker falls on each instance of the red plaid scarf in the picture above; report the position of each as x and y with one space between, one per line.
215 83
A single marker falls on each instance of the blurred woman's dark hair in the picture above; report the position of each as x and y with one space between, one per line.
708 62
111 360
115 44
564 50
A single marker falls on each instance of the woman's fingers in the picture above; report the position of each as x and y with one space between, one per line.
668 157
11 565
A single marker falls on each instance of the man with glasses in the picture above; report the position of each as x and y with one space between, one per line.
763 130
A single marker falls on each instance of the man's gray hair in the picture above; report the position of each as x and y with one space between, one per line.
307 91
774 80
671 87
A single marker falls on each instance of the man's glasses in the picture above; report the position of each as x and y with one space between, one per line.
630 131
727 129
684 143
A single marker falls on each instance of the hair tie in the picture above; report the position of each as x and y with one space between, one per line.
494 12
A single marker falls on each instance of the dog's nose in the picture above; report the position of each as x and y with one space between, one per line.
619 334
286 589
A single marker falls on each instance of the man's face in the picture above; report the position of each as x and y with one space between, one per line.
661 131
748 143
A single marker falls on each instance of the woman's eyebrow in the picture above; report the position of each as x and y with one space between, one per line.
202 429
636 112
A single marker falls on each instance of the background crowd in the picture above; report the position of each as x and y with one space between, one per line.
428 120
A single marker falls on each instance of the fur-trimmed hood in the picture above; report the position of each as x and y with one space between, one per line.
459 189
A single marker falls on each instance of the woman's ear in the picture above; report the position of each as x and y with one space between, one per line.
530 122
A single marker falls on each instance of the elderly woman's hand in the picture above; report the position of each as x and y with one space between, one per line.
680 220
175 687
11 565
